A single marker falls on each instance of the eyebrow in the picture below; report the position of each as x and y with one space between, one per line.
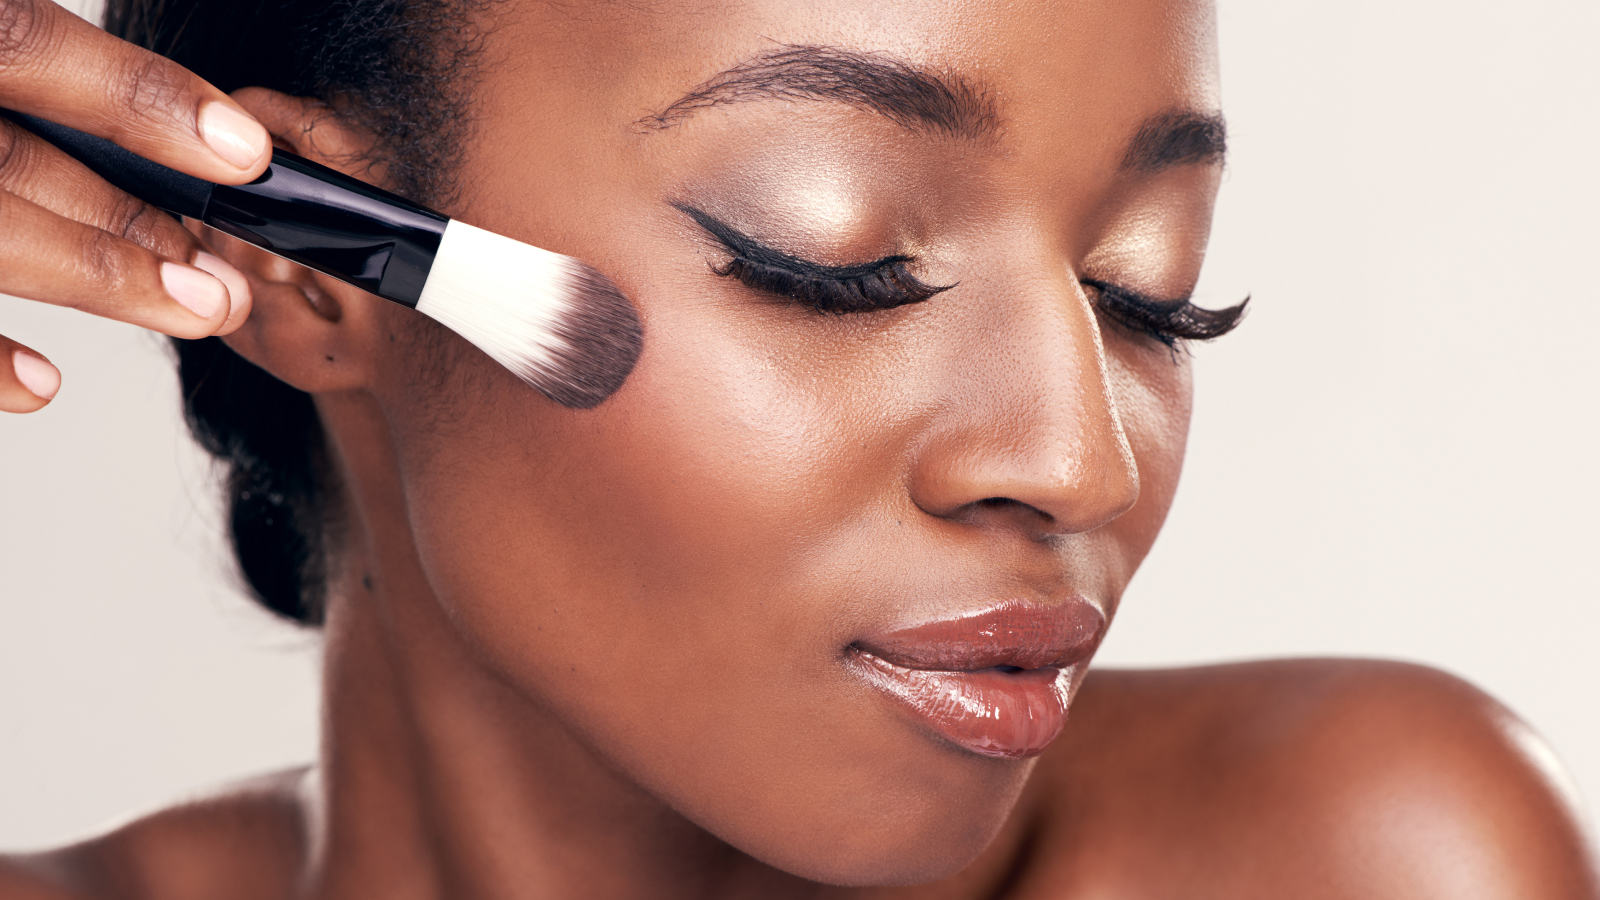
909 96
1177 138
920 99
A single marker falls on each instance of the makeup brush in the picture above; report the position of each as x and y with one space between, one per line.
561 326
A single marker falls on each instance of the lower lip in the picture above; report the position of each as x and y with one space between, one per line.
1007 715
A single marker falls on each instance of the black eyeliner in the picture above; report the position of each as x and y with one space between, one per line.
745 247
838 290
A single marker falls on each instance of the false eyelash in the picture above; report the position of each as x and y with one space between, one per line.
885 285
877 285
1166 321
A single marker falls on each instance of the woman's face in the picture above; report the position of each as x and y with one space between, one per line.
682 578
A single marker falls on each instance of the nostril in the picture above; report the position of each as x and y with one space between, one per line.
1001 503
1007 504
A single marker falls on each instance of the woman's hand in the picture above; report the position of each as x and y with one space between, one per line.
69 238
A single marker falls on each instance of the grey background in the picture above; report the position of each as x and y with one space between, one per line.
1394 457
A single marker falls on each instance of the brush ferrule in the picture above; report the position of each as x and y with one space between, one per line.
315 216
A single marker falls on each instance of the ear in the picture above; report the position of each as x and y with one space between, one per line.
311 331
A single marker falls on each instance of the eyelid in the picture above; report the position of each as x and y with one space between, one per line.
866 287
742 245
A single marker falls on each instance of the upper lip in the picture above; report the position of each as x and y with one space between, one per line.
1016 633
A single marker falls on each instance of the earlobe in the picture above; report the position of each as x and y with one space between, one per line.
310 331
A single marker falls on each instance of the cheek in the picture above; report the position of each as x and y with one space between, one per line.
680 482
1154 395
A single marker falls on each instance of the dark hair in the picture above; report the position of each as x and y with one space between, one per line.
397 69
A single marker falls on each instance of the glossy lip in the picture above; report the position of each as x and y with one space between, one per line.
994 682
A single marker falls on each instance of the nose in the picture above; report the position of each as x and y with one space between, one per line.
1028 434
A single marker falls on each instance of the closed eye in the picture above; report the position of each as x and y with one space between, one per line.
881 284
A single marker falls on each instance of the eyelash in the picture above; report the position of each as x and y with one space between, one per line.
885 284
1169 322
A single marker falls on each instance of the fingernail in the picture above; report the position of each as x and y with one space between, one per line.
200 293
233 280
234 136
38 376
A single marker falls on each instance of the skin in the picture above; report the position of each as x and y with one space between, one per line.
601 653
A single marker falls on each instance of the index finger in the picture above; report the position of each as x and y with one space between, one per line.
57 66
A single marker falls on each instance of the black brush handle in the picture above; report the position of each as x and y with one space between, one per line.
302 211
362 235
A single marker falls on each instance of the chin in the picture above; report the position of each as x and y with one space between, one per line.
890 855
891 840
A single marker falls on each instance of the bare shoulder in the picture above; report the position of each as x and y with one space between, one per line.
1313 778
242 841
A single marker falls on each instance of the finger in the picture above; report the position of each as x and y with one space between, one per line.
36 171
55 260
239 297
27 380
59 67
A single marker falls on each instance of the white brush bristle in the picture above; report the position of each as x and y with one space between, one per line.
553 320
